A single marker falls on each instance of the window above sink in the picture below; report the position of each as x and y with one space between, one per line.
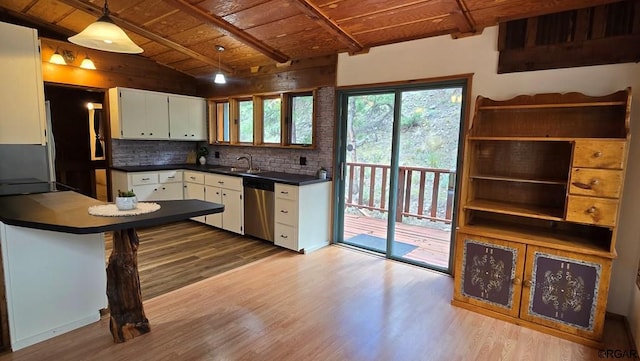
276 120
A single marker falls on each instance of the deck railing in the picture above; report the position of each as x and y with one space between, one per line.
423 193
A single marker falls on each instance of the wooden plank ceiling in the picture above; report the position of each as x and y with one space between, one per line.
182 34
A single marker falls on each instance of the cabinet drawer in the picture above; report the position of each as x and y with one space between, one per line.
596 182
170 176
286 236
599 154
286 191
286 212
600 211
223 181
144 178
194 177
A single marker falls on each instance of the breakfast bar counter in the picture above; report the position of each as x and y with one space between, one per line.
53 263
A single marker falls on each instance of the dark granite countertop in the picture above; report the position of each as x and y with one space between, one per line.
68 212
279 177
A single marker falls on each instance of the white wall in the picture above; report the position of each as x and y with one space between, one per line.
443 56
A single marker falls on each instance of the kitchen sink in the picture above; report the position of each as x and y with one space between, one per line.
244 170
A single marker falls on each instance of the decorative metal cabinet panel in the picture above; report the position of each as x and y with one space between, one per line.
490 273
563 291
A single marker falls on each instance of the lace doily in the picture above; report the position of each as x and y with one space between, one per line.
110 210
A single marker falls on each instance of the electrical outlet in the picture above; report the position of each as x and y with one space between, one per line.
216 154
303 160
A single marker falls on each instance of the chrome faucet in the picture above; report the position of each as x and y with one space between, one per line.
249 159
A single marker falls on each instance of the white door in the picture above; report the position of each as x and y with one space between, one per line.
232 219
214 194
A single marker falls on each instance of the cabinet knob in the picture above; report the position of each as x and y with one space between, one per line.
527 283
185 135
597 154
284 192
141 133
284 211
592 210
516 281
150 133
220 182
283 236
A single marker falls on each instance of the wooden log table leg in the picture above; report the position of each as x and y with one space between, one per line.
123 288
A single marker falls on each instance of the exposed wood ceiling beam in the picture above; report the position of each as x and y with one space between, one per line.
226 27
95 10
463 19
319 17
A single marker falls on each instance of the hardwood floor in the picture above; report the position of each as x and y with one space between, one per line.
175 255
332 304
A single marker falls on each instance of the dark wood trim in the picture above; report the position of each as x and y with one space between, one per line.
621 49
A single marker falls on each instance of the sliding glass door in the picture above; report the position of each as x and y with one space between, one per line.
398 156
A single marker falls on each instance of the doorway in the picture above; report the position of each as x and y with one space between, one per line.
75 138
398 155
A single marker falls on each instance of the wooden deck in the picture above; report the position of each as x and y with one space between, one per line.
433 244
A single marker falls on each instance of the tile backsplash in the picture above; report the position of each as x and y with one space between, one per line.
148 152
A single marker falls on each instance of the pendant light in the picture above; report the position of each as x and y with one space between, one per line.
105 35
87 63
219 79
57 58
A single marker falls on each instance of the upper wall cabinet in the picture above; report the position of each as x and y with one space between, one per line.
142 114
138 114
187 118
22 92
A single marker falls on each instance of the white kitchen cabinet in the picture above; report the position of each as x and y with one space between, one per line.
302 220
149 186
229 191
194 189
187 118
138 114
23 118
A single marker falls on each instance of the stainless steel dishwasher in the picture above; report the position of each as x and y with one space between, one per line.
258 208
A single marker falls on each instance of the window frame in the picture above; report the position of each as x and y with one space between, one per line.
286 103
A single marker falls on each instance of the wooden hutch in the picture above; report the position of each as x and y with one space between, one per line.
541 190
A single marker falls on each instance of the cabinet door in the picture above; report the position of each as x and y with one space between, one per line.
22 90
214 194
566 291
132 113
194 191
490 274
179 127
157 115
233 215
187 118
168 192
146 192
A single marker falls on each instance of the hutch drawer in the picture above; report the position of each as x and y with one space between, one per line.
599 154
596 182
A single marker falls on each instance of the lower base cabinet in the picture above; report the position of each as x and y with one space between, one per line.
302 216
561 291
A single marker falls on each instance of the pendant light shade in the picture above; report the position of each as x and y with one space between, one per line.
57 58
219 79
87 63
105 35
